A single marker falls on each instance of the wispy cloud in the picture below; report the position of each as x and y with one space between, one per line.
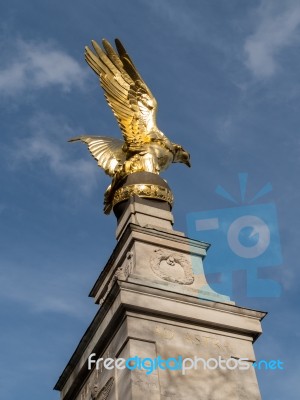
32 65
45 143
41 291
277 27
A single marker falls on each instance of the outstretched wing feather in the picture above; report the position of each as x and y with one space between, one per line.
113 56
108 152
132 71
124 91
124 55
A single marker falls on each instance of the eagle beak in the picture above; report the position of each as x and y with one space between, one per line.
188 163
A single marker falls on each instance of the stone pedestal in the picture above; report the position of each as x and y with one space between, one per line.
155 302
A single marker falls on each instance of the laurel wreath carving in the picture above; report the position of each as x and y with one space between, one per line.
172 259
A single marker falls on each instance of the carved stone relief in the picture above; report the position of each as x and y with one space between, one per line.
94 391
206 341
101 393
124 271
121 273
172 267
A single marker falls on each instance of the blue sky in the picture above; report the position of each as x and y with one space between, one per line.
226 77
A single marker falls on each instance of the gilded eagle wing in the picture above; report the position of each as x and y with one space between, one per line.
108 152
130 99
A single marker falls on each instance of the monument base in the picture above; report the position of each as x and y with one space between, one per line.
156 304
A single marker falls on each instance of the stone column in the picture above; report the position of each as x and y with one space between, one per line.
155 302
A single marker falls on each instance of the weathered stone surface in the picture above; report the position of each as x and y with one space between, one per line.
155 301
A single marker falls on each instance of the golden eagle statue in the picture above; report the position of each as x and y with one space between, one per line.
145 147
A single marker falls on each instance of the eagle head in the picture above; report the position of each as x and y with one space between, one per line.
181 155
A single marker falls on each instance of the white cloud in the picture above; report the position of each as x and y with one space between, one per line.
45 143
277 27
34 65
42 292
